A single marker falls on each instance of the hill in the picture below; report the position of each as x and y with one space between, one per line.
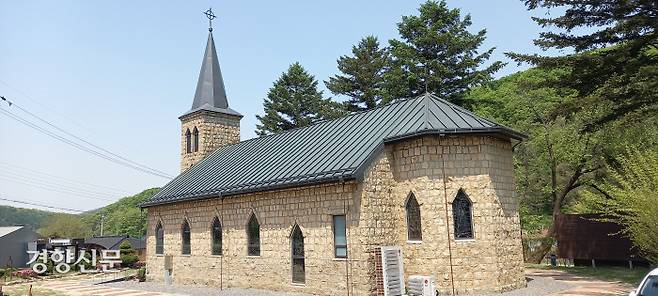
122 217
11 216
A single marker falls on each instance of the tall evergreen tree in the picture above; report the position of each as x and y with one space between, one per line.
438 54
362 78
615 65
294 101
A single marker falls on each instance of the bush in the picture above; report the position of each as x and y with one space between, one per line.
141 274
128 256
25 273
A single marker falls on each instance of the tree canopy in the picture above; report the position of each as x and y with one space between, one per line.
615 64
362 78
438 54
294 101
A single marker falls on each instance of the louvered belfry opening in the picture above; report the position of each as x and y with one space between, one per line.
298 266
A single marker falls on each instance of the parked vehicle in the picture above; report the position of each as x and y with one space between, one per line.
648 286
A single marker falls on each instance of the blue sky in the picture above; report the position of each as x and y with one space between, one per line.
119 73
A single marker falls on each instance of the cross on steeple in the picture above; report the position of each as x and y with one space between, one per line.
211 16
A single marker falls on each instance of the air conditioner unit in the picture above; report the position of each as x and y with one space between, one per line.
393 271
420 285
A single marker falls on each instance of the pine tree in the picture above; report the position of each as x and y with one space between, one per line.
362 78
615 64
294 101
438 54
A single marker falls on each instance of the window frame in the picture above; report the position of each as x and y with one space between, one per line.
250 243
195 140
188 141
457 233
412 198
186 230
336 245
159 239
216 237
294 257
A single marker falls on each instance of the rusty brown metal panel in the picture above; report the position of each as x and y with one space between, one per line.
582 236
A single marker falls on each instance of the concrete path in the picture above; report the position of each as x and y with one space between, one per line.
77 288
583 286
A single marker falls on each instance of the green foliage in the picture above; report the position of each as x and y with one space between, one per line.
122 217
141 274
64 226
10 216
631 199
437 53
294 101
362 78
128 254
615 82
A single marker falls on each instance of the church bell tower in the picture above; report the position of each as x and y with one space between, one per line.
210 124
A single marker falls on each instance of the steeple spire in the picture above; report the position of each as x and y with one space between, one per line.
210 94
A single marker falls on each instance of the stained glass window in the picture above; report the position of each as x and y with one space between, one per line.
159 239
185 238
414 232
340 237
216 237
253 233
462 216
297 244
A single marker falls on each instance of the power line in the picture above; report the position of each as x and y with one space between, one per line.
41 205
62 179
79 146
51 188
49 184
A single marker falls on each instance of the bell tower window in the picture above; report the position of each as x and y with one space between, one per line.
188 141
195 138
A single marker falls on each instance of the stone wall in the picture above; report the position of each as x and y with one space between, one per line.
216 130
375 210
483 168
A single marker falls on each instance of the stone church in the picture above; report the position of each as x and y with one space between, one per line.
309 210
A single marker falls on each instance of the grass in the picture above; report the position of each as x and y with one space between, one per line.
21 290
604 273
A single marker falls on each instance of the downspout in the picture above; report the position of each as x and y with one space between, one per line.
347 256
221 258
445 197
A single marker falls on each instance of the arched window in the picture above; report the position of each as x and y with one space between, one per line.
253 234
185 238
159 239
414 230
188 141
462 216
297 246
195 137
216 237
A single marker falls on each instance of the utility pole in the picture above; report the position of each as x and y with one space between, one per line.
102 221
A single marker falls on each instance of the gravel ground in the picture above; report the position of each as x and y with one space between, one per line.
196 290
537 286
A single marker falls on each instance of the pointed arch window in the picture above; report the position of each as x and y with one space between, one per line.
185 238
253 235
462 216
159 239
188 141
414 230
297 253
216 237
195 139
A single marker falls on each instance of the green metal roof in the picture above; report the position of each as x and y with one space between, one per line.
327 151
